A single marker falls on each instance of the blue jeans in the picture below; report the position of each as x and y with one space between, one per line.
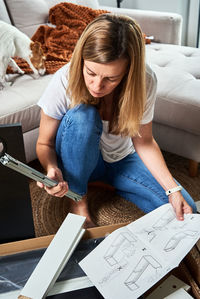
80 159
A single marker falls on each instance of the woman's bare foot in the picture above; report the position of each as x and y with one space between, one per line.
81 208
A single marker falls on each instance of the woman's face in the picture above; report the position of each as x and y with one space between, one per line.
102 78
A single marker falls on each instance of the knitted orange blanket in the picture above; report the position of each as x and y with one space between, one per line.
58 41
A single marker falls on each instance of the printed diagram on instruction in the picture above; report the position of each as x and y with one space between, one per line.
117 256
134 257
162 224
124 246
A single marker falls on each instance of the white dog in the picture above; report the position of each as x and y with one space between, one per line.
15 43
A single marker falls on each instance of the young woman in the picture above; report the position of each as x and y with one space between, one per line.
96 121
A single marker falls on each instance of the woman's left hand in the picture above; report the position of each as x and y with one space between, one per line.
180 205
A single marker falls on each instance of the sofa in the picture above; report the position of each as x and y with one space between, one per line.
176 124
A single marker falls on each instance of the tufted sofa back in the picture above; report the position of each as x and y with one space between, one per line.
28 15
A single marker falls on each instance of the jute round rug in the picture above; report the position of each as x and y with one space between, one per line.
104 205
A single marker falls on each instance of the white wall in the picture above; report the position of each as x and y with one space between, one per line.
186 8
193 23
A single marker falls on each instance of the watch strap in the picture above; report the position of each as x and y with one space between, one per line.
173 190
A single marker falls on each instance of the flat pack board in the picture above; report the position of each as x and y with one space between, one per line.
12 250
55 257
169 287
16 219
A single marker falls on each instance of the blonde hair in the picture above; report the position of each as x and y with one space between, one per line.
105 39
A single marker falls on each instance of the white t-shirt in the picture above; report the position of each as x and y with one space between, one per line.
55 104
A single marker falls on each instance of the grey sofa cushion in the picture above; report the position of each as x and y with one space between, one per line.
178 73
28 15
19 102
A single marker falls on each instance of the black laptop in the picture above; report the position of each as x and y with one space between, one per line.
16 219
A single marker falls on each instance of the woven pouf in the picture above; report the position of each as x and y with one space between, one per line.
104 205
48 211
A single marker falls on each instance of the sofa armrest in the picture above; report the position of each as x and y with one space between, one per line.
166 27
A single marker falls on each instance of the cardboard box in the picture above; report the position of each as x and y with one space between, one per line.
192 261
98 232
20 258
43 242
183 273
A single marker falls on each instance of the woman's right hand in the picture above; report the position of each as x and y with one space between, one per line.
60 189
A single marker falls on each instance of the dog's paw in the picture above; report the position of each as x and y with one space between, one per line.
42 71
35 75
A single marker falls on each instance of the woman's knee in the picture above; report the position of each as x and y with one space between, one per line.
80 124
81 127
84 114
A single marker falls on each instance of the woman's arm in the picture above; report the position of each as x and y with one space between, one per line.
149 151
45 149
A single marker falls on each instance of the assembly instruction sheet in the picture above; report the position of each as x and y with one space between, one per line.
133 258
